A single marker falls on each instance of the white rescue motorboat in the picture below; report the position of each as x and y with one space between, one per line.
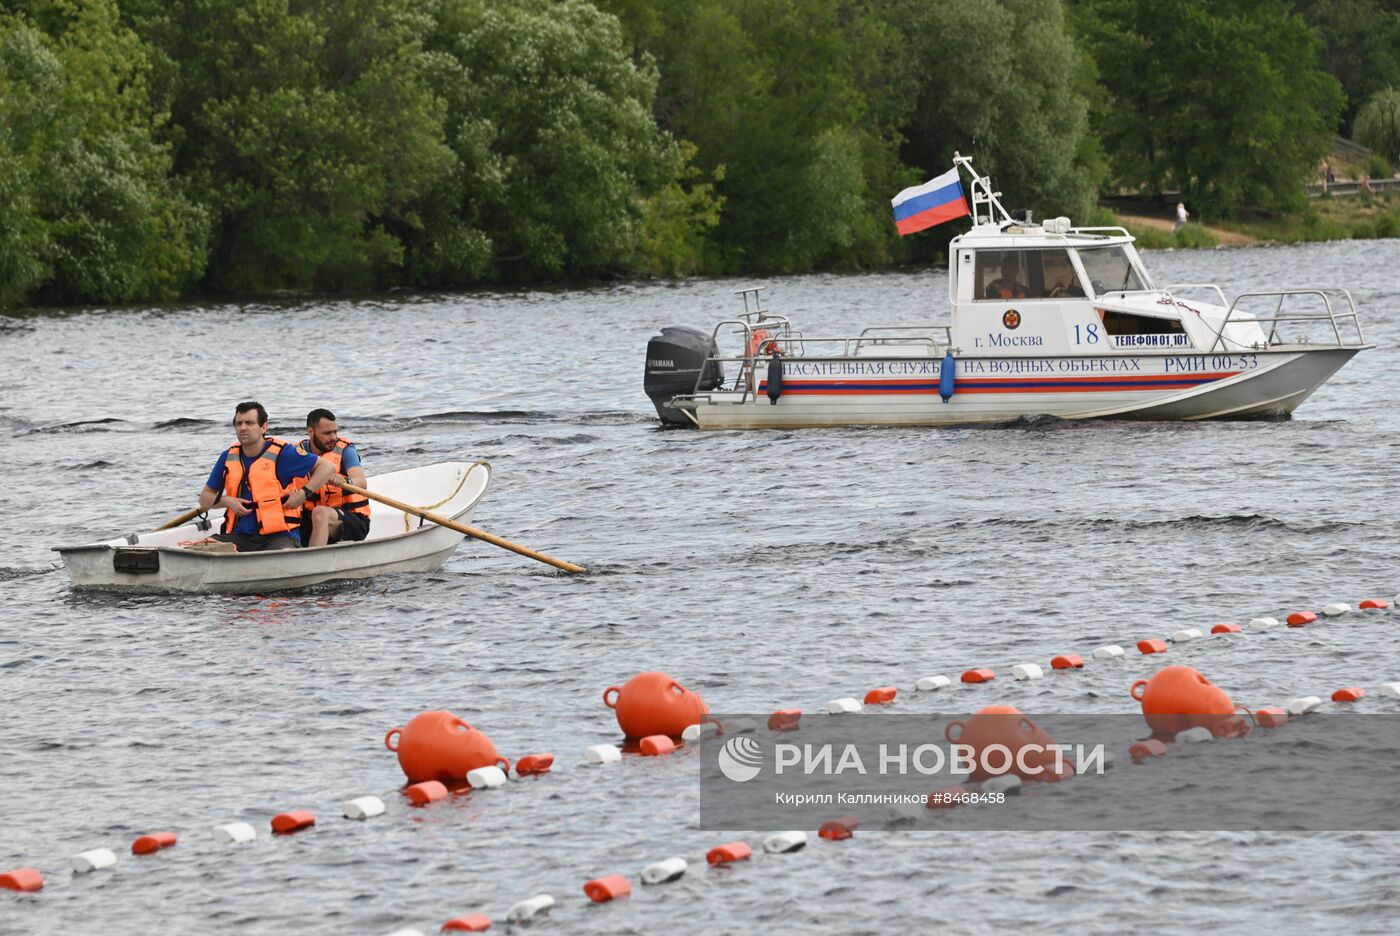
1047 319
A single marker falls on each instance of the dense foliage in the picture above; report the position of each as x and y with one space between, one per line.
153 148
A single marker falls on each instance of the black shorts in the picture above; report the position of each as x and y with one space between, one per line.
353 527
257 542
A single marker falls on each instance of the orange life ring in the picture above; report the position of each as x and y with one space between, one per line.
761 343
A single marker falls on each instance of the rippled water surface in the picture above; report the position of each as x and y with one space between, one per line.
763 570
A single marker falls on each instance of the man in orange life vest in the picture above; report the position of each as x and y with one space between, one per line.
262 483
331 515
1007 287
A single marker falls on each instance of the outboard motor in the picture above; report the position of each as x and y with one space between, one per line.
675 359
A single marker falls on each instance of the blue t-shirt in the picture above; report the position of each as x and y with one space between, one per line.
292 463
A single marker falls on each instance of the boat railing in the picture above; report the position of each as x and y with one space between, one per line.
791 343
1337 321
1110 231
1220 293
917 335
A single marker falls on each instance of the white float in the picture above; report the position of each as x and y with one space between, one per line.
234 833
664 871
603 754
1263 623
406 932
363 807
1187 634
1194 735
1303 705
1027 671
94 860
1008 784
529 908
696 732
486 778
1333 610
843 706
784 841
1109 652
739 726
1389 688
933 683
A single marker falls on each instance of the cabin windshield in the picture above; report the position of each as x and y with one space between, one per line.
1026 274
1109 269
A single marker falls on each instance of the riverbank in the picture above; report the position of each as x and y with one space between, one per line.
1364 217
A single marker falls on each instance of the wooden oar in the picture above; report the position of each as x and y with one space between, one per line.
463 528
184 518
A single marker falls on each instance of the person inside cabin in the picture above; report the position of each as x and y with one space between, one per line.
261 482
333 515
1007 286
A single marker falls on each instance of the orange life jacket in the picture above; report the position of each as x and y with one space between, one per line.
264 490
332 496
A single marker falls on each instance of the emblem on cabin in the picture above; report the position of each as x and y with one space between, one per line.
1011 318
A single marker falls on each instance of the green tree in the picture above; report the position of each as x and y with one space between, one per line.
1378 124
1360 45
550 121
1221 99
792 101
307 128
87 209
1017 100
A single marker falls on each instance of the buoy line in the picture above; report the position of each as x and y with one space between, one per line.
614 886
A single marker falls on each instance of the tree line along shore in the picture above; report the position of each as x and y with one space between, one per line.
153 149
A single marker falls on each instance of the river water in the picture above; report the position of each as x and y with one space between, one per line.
763 570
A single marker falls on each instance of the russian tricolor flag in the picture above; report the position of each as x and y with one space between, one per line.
934 202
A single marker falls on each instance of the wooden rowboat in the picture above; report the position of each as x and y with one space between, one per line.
397 542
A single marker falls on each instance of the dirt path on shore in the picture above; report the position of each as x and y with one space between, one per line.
1226 238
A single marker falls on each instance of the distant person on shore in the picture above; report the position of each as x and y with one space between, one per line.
1006 287
1181 215
261 483
1366 185
1324 171
331 515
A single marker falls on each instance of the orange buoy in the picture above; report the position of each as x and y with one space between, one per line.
1270 717
289 822
1225 629
429 791
656 745
882 695
1149 748
154 842
834 830
22 879
1301 618
978 676
471 923
785 719
654 704
440 746
1374 604
603 889
1177 698
1348 694
730 851
946 798
1067 661
533 764
1152 645
1005 726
